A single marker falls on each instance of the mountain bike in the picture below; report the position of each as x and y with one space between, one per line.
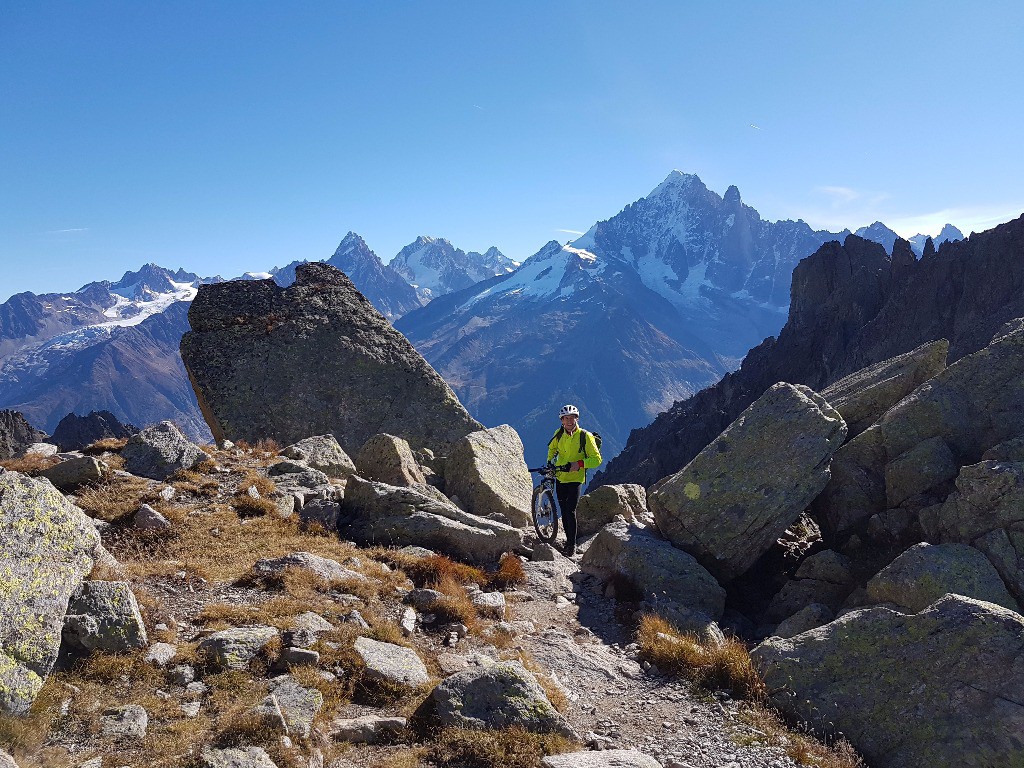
544 508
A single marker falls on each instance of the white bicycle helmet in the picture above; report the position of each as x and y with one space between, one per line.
569 410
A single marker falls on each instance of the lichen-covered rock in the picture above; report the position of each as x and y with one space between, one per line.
159 451
16 434
926 572
377 513
487 472
864 396
390 663
70 474
235 648
729 505
312 358
324 453
104 616
319 566
237 757
856 488
148 519
127 723
924 466
388 459
605 758
797 594
939 688
489 604
47 547
368 729
499 695
600 506
659 570
299 705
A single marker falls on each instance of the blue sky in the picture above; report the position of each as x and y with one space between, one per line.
232 136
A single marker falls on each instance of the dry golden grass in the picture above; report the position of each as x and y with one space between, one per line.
106 445
726 667
804 749
429 571
455 604
505 748
261 483
247 506
510 573
114 497
195 483
29 465
410 757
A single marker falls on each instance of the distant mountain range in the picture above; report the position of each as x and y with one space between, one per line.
644 309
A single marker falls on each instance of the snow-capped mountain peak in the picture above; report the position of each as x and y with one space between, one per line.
435 267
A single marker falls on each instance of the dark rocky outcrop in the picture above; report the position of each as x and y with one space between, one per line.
316 357
852 306
16 434
75 432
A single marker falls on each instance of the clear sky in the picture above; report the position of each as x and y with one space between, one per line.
232 136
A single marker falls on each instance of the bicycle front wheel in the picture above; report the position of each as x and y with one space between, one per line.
545 515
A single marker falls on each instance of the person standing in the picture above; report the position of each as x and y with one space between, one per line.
578 448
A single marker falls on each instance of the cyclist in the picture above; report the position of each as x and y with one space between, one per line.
576 447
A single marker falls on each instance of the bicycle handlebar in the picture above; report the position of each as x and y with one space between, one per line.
552 468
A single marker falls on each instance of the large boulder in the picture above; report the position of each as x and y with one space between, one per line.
729 505
500 695
323 453
104 616
926 572
390 663
315 357
602 505
72 473
388 459
16 434
377 513
862 397
75 432
488 474
661 572
47 547
235 648
939 688
159 451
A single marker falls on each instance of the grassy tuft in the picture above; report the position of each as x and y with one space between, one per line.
454 605
246 506
29 465
505 748
115 497
801 747
106 445
510 573
430 571
712 666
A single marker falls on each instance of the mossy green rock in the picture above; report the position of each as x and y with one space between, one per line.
312 358
235 648
488 474
661 572
602 505
377 513
926 572
924 466
500 695
390 663
46 549
729 505
940 688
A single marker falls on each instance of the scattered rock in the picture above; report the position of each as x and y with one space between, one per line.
826 565
159 451
607 758
369 729
104 616
235 648
367 375
729 505
161 654
321 567
69 475
391 663
655 567
47 548
486 470
490 605
237 757
388 459
323 453
601 505
908 689
926 572
377 513
322 512
299 705
128 723
500 695
148 519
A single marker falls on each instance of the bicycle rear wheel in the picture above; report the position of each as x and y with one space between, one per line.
545 515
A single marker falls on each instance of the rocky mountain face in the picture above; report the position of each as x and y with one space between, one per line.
75 432
948 232
655 303
386 289
16 434
315 357
434 267
853 305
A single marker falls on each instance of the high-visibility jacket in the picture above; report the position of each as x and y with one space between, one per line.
567 449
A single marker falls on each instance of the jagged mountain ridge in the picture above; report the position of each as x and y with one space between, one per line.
853 305
660 300
434 267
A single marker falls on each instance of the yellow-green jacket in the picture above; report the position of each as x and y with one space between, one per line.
567 449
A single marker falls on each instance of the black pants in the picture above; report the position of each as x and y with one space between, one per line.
568 497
